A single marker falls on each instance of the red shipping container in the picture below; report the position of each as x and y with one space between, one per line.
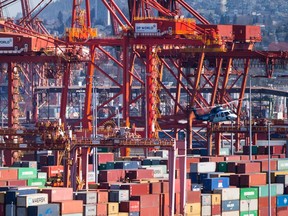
136 189
248 167
253 179
149 211
102 196
191 160
232 158
101 209
56 194
90 168
8 174
263 201
282 211
277 149
244 157
165 187
53 171
193 196
216 209
3 183
164 210
105 157
129 206
177 203
111 175
155 187
260 157
164 199
264 165
147 201
211 159
264 211
16 183
246 33
140 174
71 206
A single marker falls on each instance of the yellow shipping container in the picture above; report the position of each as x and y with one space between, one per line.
193 209
123 214
216 199
113 208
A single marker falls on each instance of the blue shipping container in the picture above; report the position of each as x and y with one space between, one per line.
282 200
127 164
230 205
194 177
51 209
11 195
134 213
209 184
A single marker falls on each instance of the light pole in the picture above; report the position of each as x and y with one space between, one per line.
95 116
269 170
250 120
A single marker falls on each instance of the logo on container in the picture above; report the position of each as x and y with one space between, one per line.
220 184
6 42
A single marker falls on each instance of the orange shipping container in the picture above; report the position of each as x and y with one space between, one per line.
8 174
53 171
253 179
57 194
101 209
71 206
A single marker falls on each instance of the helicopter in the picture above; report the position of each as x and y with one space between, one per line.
216 114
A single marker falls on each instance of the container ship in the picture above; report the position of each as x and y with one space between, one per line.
168 115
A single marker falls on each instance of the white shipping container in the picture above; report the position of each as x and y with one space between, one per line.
159 170
32 199
203 167
228 193
206 210
279 188
231 213
89 210
206 199
42 175
91 177
162 153
249 205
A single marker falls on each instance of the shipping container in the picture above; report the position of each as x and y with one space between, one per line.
118 195
230 205
203 167
71 206
129 206
112 208
206 199
282 200
228 193
89 210
32 199
193 208
211 184
248 204
248 193
56 194
88 197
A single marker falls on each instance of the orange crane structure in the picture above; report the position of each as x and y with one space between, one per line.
152 44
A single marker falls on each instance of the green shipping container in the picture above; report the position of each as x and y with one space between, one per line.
222 167
102 150
248 193
36 182
102 167
250 213
110 165
27 173
263 190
